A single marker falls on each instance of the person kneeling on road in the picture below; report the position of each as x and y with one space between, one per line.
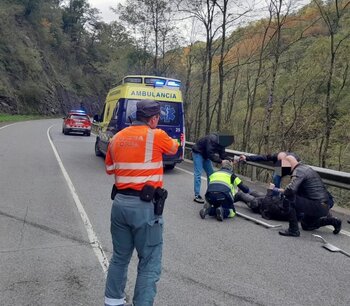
221 191
306 196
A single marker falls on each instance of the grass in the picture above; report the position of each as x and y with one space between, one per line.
13 118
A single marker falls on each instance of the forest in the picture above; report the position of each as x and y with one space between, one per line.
276 76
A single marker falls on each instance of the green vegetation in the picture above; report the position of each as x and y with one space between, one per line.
13 118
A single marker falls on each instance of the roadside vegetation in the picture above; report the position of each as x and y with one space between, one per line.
14 118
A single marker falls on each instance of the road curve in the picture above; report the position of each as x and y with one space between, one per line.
48 258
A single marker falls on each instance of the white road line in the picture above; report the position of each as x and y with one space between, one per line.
95 244
346 233
5 126
190 173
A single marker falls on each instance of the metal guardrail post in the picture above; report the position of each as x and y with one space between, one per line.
253 174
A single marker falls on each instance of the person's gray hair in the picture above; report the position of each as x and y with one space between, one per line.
226 165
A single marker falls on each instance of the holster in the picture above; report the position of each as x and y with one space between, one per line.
159 198
114 192
147 193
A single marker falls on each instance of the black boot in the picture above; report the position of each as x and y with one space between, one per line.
335 222
337 226
290 233
293 230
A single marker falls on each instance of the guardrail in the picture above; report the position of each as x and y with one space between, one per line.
330 177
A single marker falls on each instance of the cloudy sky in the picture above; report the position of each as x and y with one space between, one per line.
108 16
104 5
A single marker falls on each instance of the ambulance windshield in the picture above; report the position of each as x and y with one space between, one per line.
170 112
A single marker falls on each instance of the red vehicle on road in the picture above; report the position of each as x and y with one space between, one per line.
76 122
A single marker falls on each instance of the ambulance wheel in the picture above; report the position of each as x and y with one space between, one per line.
97 148
170 167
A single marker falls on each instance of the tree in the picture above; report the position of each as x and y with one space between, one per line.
332 13
151 21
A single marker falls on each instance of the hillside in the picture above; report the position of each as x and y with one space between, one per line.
50 63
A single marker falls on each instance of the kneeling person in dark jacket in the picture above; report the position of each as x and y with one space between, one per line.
221 192
308 197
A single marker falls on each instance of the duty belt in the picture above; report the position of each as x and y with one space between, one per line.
130 192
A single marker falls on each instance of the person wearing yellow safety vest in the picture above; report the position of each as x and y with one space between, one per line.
134 157
221 192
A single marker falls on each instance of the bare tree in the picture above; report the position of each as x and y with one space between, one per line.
228 19
332 14
151 24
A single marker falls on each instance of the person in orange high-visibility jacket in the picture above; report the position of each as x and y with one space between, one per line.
134 156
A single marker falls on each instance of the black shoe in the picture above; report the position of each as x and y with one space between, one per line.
337 226
348 221
290 233
198 199
203 212
219 214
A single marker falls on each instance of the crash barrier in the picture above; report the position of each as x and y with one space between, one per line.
330 177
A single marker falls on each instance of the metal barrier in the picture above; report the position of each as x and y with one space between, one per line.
330 177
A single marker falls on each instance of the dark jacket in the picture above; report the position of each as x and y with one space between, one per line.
269 157
306 183
209 148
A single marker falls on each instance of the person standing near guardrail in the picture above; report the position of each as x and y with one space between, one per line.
134 156
307 197
280 169
210 148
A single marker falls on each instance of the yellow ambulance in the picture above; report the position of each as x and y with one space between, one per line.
119 111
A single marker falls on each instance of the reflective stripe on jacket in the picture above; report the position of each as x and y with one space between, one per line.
134 156
223 178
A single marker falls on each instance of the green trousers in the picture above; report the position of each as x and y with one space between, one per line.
134 225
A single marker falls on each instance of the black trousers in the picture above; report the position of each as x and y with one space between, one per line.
311 213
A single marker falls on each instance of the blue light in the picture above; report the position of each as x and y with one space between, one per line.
78 111
174 83
159 83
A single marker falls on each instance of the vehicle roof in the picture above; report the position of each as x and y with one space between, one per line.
77 112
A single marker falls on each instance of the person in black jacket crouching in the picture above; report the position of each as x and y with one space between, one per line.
307 197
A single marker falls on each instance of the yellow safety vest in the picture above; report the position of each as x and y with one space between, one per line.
224 177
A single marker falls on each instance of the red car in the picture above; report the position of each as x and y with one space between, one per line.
76 122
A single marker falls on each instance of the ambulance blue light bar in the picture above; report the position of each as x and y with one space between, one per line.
174 83
159 83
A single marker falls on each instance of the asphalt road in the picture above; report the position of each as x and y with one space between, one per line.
55 240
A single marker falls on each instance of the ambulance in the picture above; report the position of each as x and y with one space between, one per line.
119 111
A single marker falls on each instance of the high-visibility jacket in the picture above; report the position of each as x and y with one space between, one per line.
221 181
134 156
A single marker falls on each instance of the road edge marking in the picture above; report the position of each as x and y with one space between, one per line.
5 126
94 242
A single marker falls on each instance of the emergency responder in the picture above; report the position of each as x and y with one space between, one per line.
134 156
207 149
276 158
221 192
307 197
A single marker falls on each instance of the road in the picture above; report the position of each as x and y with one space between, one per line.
55 241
